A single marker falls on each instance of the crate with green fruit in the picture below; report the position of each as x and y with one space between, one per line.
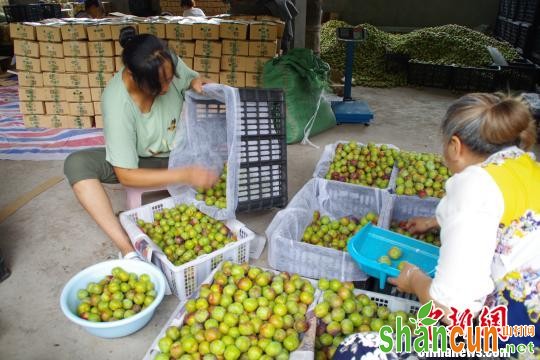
370 165
241 311
343 310
183 241
421 174
315 228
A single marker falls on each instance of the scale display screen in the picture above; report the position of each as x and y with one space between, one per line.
351 33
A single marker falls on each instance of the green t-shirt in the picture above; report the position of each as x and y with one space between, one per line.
130 134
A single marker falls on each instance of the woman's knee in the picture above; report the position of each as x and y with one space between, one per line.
76 167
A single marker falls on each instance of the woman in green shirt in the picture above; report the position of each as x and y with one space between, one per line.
141 108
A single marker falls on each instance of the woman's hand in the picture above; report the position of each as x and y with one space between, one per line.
420 225
200 177
404 281
196 85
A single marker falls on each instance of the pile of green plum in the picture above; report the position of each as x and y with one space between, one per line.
246 313
217 195
116 297
432 237
184 233
421 174
367 165
342 312
324 231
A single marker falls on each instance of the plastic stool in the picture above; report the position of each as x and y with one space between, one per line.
134 195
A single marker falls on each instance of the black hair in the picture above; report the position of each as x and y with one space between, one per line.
187 3
90 3
143 56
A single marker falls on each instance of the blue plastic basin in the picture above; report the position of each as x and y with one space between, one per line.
372 242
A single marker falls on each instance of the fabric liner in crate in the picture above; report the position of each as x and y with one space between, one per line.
211 139
327 157
184 279
403 207
287 252
305 351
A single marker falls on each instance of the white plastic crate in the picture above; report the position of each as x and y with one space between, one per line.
306 350
287 252
327 157
183 280
403 207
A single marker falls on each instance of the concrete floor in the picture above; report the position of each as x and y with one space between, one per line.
51 238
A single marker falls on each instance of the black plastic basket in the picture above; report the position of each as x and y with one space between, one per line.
21 13
525 32
262 178
475 79
522 75
51 11
513 6
262 182
431 75
526 10
395 63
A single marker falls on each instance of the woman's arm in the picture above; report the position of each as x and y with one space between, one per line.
193 175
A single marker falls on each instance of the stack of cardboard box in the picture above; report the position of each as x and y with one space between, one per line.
65 65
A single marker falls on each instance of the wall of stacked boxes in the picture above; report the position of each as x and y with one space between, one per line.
64 65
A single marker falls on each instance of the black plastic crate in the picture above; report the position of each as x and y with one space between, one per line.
431 75
520 75
504 7
525 33
395 62
526 10
262 182
262 178
51 11
20 13
475 79
513 9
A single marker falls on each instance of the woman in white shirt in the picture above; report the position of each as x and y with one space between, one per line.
489 218
190 9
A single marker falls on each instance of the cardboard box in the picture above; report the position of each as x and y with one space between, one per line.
156 29
265 31
233 30
28 64
188 62
99 32
97 108
26 48
262 48
68 121
255 64
99 79
233 63
77 64
53 64
75 48
30 79
208 48
117 28
253 80
205 31
118 63
78 95
98 119
235 47
118 48
81 109
50 94
182 48
57 108
206 65
95 94
22 31
51 79
51 49
31 107
101 48
211 77
75 80
102 64
236 79
74 31
32 121
49 33
27 93
279 23
179 31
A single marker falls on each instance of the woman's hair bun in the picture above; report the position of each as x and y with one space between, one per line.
127 34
